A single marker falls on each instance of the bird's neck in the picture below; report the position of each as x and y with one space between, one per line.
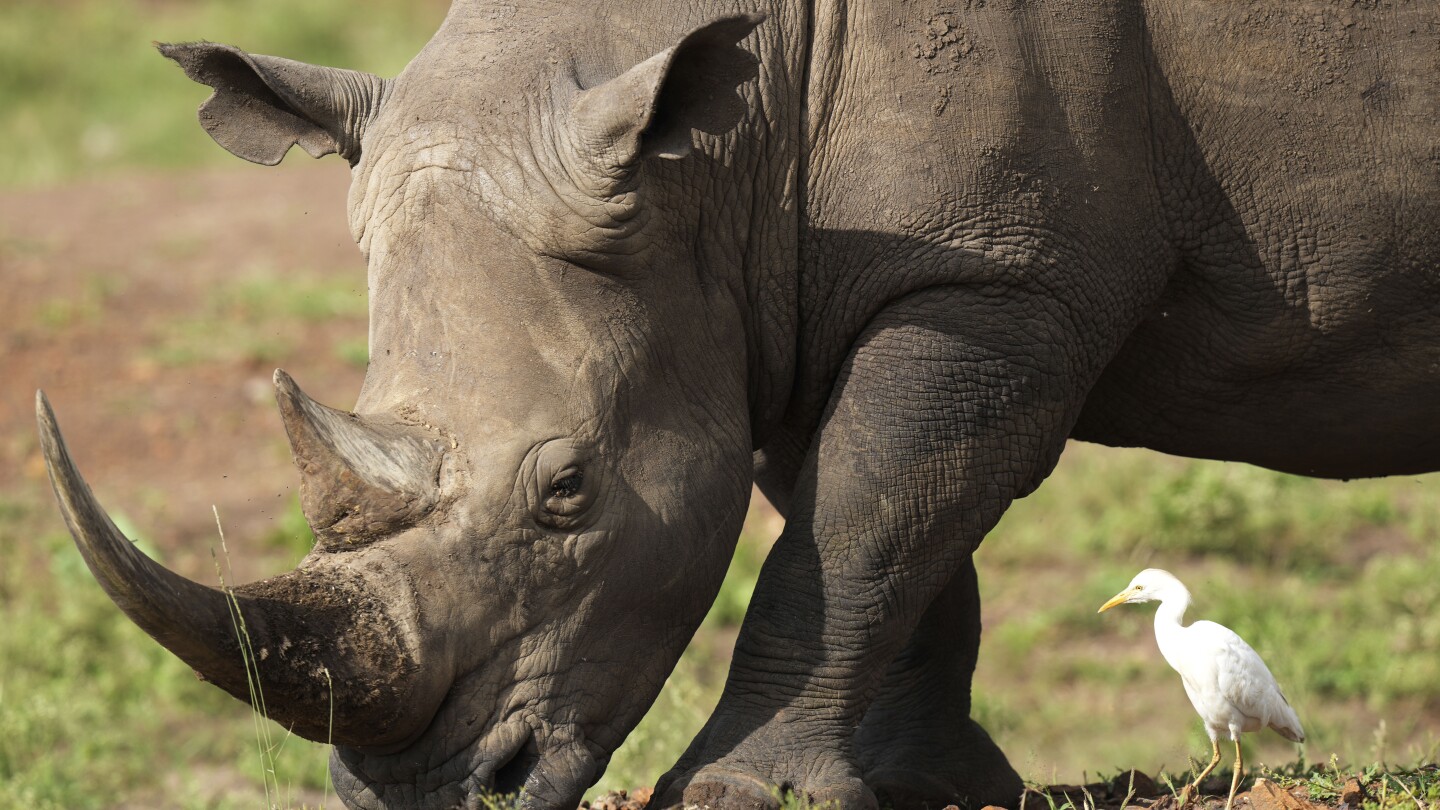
1171 612
1169 632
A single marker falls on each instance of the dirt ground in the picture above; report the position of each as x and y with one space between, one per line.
1134 789
97 275
1131 789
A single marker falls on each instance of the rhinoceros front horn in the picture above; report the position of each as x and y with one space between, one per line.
305 647
361 478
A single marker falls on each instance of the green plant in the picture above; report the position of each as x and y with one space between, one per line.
684 703
1385 787
258 318
292 534
354 352
92 711
728 609
268 752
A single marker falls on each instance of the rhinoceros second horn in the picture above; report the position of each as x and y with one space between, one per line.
362 478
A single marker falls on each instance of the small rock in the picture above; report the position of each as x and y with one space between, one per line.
1135 784
621 800
1065 793
1353 794
1267 795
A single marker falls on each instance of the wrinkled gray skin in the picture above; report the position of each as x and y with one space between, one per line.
899 252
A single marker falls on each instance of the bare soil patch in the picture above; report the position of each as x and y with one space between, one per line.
95 273
1131 789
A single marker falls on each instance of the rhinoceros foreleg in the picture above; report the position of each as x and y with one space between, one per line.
918 746
952 403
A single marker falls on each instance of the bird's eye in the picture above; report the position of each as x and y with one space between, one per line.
1139 587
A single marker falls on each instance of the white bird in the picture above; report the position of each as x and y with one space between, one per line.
1230 687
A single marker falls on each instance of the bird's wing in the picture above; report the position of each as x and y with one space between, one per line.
1247 684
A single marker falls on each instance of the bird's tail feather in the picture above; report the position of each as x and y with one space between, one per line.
1288 723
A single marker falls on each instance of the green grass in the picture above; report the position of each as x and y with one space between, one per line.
1332 582
91 709
291 536
1381 787
1384 787
87 700
93 713
259 319
83 91
78 307
354 352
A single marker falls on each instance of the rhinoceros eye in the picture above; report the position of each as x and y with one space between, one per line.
568 486
567 496
564 482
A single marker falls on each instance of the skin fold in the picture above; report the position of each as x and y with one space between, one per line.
882 259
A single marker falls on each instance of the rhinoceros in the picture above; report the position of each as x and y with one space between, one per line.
881 258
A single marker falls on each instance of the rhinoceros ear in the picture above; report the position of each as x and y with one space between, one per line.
652 109
263 105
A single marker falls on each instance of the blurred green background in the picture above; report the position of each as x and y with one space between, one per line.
1334 583
85 92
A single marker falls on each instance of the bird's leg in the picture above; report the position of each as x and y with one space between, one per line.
1239 768
1194 787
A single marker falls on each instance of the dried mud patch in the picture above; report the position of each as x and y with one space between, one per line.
1131 789
96 273
1134 789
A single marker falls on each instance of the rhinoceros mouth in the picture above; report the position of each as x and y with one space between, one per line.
518 756
410 778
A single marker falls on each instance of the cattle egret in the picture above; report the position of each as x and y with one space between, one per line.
1228 684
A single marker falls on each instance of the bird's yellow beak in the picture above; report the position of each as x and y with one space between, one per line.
1117 599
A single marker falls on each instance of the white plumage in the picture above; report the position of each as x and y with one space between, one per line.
1230 687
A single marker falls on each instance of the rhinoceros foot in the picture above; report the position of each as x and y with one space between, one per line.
955 765
730 786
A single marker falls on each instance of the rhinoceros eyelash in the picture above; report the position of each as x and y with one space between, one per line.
569 485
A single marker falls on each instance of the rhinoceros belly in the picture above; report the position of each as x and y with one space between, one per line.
1299 164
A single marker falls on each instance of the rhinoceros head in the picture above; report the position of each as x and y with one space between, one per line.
534 501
